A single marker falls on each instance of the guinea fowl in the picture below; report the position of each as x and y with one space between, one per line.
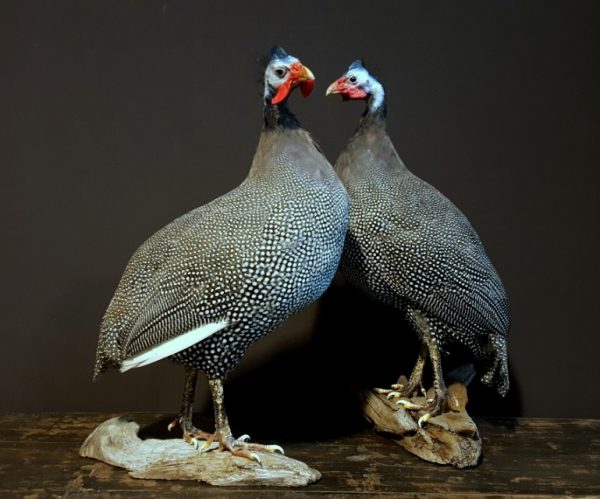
408 246
215 280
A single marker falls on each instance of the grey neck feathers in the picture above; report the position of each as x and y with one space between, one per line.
373 117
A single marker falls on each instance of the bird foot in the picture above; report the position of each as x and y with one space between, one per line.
239 446
399 390
441 402
191 434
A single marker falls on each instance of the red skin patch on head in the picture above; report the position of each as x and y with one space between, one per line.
297 73
356 93
349 91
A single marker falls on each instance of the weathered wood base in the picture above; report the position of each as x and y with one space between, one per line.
116 442
523 458
450 438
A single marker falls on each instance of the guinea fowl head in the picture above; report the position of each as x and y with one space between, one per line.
358 83
284 73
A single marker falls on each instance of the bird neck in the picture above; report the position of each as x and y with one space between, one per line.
376 110
370 151
373 117
285 155
376 100
278 116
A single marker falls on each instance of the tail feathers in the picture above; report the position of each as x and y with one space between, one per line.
497 375
100 366
173 346
103 358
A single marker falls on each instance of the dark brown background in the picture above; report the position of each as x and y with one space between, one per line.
118 116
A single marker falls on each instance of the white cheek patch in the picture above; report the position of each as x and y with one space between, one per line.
370 85
362 77
271 79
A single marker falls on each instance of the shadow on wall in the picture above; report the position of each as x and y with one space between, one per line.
307 392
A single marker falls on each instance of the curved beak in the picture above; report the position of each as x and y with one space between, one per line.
346 90
334 88
305 74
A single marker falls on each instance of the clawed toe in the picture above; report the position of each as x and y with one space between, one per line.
400 390
173 424
246 454
411 406
243 439
428 407
192 435
242 443
273 449
239 447
242 448
434 407
204 442
192 441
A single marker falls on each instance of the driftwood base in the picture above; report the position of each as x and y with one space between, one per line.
450 438
116 442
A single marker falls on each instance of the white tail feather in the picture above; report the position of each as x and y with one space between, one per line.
173 346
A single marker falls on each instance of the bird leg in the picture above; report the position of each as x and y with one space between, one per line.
237 446
436 405
439 402
191 434
415 382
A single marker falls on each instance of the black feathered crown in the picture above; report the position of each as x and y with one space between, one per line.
278 52
358 64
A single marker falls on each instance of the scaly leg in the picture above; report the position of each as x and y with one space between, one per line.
415 382
237 446
191 434
439 402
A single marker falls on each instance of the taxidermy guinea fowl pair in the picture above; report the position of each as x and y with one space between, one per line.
215 280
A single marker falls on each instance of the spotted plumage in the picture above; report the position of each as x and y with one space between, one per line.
246 261
412 248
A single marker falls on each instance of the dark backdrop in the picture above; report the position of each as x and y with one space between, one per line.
118 116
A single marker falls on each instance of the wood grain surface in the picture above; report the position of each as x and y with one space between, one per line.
521 458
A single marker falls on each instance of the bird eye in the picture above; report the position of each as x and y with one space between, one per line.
352 79
281 72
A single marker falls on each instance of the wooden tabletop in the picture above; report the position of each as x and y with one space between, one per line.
522 458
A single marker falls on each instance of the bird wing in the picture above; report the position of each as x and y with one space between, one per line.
441 263
186 277
173 346
174 283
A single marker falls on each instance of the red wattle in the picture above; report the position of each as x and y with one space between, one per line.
282 92
347 90
355 93
306 87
